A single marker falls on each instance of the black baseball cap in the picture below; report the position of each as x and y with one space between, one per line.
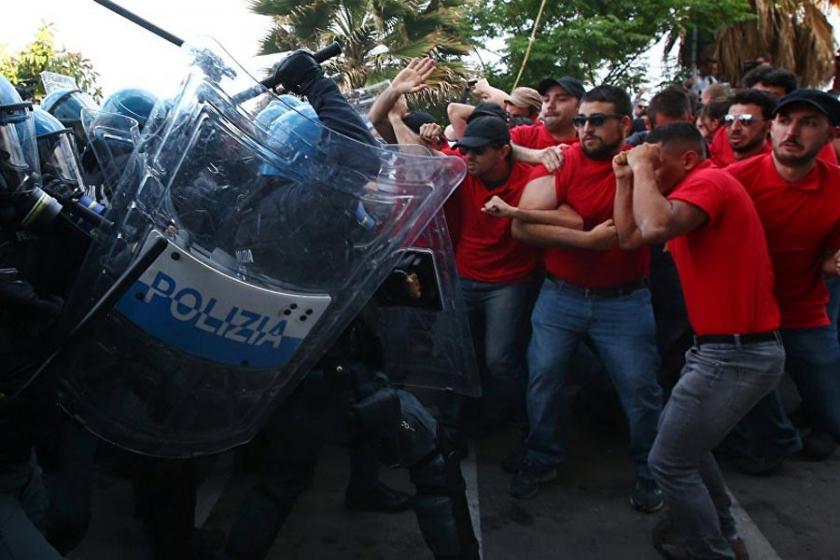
485 130
573 86
821 101
415 119
488 110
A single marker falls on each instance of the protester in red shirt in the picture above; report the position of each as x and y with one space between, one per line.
745 128
495 269
542 143
668 191
798 200
593 290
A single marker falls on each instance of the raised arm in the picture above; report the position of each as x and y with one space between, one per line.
658 218
410 79
629 236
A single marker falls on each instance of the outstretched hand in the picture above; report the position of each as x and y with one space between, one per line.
412 78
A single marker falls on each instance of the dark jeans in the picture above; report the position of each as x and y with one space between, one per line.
813 362
718 385
23 507
498 315
622 333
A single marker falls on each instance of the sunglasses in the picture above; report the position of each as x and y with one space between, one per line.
477 151
596 120
745 120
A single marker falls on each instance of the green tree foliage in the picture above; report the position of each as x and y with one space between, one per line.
378 36
599 41
42 55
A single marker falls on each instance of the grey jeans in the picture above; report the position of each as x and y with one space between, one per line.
719 384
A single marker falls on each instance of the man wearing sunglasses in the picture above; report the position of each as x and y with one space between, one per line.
593 289
744 128
495 270
798 200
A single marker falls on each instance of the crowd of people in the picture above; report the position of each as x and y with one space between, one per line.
681 253
687 247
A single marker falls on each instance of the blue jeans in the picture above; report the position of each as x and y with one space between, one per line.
23 507
622 333
498 315
813 361
719 384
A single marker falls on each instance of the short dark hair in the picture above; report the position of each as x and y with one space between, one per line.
769 76
715 110
779 77
766 101
671 102
611 94
682 133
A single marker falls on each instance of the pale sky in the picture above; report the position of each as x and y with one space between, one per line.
126 55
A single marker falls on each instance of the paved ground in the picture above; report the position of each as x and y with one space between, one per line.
583 515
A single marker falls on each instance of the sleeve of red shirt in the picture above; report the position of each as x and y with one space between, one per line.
520 135
701 192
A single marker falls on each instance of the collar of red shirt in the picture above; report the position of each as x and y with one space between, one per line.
810 182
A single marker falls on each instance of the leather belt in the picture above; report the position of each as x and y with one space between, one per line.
619 291
735 339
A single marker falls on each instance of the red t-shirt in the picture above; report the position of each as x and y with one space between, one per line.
485 250
722 154
724 265
801 221
535 136
588 186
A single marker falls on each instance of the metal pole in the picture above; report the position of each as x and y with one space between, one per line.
145 24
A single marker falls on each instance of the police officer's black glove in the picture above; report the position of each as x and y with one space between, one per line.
298 71
16 292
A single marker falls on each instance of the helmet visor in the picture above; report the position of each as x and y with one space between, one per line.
11 151
19 155
59 158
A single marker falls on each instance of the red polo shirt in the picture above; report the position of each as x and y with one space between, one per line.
535 136
485 250
801 221
724 265
588 186
722 154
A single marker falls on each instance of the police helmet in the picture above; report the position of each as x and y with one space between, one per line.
277 107
131 102
18 152
59 158
66 105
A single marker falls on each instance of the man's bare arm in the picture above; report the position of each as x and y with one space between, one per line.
410 79
629 236
458 113
658 218
540 195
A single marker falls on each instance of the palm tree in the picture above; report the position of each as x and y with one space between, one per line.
377 36
795 35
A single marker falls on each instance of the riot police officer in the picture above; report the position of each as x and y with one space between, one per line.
25 317
345 399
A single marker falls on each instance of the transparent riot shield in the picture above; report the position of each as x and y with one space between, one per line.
427 342
112 139
275 240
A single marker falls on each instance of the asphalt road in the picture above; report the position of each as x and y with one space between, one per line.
585 514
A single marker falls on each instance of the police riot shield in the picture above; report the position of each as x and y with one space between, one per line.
276 237
426 339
